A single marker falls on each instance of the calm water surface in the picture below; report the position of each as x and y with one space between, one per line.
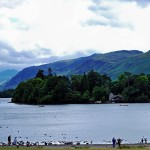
95 122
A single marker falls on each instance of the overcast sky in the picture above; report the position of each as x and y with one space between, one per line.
34 32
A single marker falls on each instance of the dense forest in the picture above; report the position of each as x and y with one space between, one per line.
79 89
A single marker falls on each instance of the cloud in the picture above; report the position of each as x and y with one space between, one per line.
9 56
10 3
43 31
141 3
18 60
107 14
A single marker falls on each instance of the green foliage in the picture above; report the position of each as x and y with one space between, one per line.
94 79
136 88
79 89
85 97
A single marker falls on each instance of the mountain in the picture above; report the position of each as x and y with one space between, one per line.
6 75
112 64
137 64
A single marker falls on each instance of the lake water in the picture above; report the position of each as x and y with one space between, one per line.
96 122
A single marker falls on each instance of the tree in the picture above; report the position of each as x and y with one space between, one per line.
94 79
7 93
60 90
76 83
84 83
49 72
18 93
85 97
40 74
99 93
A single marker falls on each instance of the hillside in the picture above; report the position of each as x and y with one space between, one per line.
137 64
113 64
6 75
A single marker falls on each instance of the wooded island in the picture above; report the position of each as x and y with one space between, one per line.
91 87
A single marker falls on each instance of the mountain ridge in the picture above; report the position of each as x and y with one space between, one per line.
112 63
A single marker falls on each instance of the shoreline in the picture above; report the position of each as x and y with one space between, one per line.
53 146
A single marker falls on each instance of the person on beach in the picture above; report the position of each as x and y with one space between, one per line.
114 142
15 141
9 139
119 142
145 140
142 140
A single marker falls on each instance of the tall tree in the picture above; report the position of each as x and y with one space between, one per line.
94 79
40 74
49 72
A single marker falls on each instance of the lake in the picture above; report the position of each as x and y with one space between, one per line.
74 122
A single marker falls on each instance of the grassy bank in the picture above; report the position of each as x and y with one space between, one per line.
69 148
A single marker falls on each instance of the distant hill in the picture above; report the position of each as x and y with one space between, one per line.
6 75
112 64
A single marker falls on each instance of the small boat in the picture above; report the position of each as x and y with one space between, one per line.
41 106
123 105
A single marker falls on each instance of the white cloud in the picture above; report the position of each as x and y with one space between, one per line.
64 27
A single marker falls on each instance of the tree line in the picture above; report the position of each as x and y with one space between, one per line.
7 93
82 89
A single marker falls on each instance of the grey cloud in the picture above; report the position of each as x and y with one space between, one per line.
141 3
106 16
10 3
43 51
96 1
10 56
110 23
11 59
104 11
96 23
96 8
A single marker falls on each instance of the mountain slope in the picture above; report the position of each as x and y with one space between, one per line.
7 74
137 64
113 64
